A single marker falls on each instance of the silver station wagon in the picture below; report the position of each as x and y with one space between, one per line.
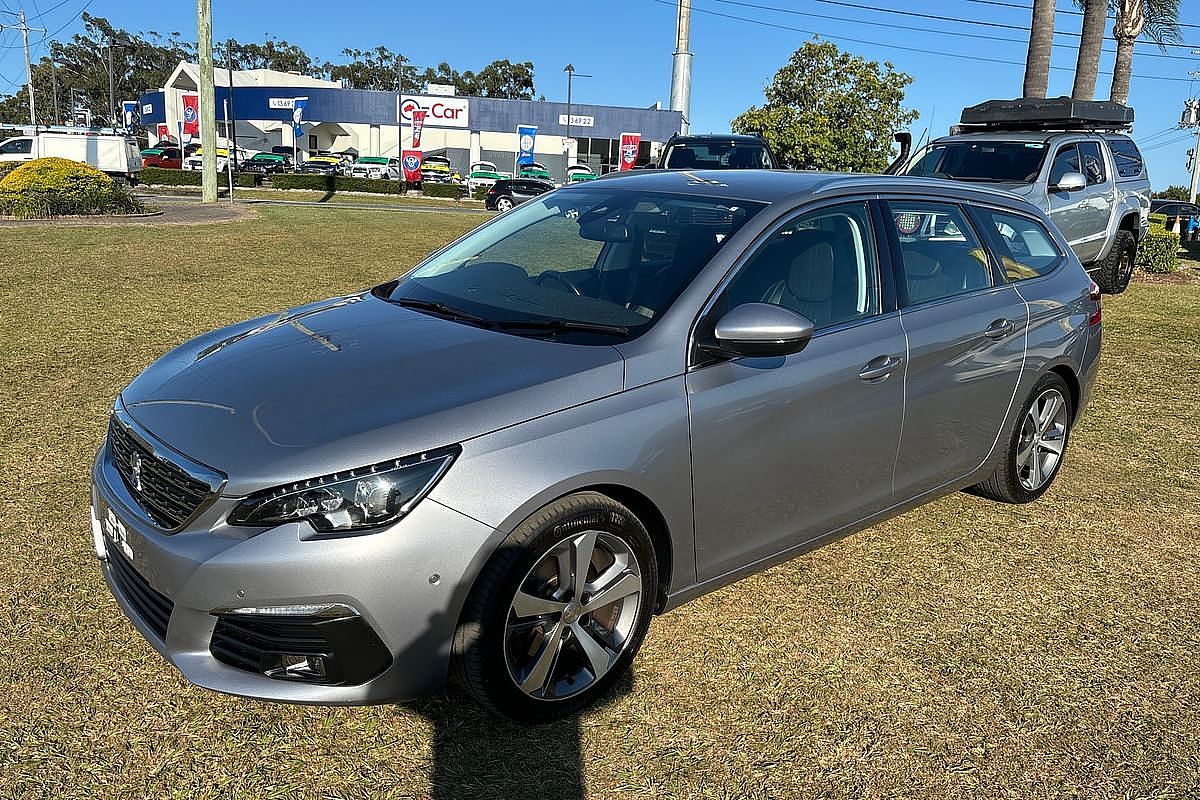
610 400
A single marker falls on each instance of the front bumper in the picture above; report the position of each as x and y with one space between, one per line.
407 582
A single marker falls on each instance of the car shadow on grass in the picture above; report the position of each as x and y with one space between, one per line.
477 754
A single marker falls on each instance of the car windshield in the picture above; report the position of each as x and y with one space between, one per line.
999 162
718 155
609 259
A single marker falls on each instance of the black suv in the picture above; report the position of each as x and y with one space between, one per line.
717 151
508 192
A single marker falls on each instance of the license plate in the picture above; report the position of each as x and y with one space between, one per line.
115 532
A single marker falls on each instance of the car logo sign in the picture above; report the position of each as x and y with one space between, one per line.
135 469
189 114
411 162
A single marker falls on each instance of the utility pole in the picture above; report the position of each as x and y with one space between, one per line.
681 65
231 114
25 29
208 99
56 118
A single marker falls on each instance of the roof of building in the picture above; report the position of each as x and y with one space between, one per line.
187 76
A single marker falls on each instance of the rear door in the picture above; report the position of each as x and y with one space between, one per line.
966 344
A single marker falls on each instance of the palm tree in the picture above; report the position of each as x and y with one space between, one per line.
1041 42
1157 19
1087 66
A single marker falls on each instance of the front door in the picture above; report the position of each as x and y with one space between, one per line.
1081 215
785 449
966 345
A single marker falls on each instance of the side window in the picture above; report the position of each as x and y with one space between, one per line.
1127 157
1093 163
1028 250
1066 160
942 256
17 147
822 264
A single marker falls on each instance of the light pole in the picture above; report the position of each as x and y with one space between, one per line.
112 94
571 75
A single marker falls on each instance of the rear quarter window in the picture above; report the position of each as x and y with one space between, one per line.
1025 248
1127 157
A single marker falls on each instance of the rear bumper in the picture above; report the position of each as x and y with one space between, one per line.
408 584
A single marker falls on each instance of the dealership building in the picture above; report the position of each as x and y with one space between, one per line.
466 129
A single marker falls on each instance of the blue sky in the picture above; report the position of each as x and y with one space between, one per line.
626 46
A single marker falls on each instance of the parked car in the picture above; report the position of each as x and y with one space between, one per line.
196 160
482 174
162 157
321 165
578 173
612 400
534 170
504 194
717 151
267 164
377 167
436 169
111 152
1092 183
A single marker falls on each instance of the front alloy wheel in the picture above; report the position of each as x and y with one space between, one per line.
560 610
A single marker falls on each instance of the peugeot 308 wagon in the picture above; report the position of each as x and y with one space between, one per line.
605 402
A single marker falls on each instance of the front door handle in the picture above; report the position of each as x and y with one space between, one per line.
999 329
878 368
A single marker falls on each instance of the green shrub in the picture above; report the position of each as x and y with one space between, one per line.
453 190
480 192
57 187
336 183
157 176
1159 251
8 166
1158 219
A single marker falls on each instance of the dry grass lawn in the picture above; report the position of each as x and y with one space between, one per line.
963 650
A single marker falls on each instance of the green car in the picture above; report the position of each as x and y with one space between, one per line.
580 173
534 170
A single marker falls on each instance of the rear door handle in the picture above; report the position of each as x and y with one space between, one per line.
999 329
879 368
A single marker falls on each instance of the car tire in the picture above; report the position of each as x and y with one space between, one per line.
1116 269
504 204
1035 449
528 647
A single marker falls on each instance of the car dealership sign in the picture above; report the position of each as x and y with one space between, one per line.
440 112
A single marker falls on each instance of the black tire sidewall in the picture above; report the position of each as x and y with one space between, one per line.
486 671
1020 493
1110 278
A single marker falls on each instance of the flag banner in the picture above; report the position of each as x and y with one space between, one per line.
163 131
630 142
298 117
418 119
129 112
411 161
191 114
526 136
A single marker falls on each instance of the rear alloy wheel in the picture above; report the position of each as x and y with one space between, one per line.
559 612
1117 268
1036 446
504 204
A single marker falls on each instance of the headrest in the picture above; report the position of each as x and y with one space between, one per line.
694 245
919 265
811 276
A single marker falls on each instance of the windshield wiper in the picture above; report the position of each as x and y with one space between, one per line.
561 325
441 309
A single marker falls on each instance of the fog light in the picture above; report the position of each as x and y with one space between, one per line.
295 667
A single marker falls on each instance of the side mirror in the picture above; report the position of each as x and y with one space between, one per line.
759 329
1071 182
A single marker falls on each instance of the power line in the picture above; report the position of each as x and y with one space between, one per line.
1182 139
921 15
65 25
1067 11
891 46
895 26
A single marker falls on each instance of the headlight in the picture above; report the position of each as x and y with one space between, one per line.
359 499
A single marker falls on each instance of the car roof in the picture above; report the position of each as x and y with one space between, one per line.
1022 136
769 186
699 138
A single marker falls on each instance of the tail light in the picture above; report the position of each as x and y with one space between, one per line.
1094 296
492 191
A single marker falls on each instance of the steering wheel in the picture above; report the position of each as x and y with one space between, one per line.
555 275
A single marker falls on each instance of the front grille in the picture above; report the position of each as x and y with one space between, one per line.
167 493
353 651
153 608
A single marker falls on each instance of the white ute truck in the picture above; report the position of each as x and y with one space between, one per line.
1071 158
110 151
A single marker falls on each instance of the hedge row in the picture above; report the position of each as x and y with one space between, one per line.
1159 251
453 190
157 176
56 187
336 183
